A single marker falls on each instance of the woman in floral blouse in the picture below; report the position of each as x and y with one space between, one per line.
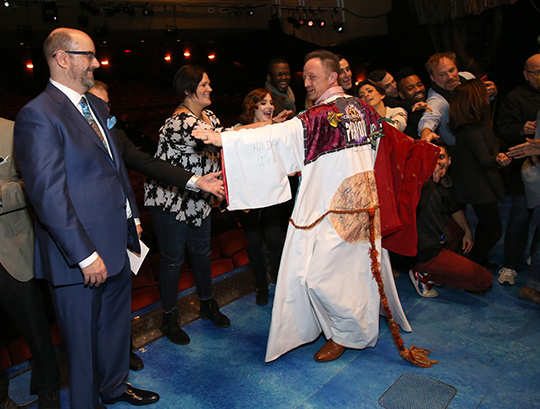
182 219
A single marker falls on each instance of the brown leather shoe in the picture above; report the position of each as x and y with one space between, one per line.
329 352
529 294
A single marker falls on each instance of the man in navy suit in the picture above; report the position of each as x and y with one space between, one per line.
86 218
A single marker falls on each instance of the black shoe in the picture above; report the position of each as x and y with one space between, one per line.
262 296
210 311
49 401
171 328
135 362
9 404
134 396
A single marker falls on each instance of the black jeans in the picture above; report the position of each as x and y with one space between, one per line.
263 228
488 231
173 238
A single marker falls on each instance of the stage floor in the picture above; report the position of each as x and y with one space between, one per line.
487 347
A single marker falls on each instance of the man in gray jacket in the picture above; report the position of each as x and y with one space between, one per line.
19 293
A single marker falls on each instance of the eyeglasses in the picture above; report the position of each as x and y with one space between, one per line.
89 54
535 72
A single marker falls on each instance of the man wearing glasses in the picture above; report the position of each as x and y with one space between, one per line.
517 121
86 218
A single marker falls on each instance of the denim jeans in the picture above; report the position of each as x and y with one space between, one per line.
173 238
517 233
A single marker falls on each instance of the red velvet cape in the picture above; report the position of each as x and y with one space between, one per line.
402 168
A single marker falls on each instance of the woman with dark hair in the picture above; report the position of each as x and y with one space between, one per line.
262 226
182 219
476 177
373 94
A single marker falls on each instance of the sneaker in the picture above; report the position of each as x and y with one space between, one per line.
422 285
506 276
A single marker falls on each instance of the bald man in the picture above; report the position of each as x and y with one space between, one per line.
86 219
517 121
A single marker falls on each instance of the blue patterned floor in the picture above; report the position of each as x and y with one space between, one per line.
487 348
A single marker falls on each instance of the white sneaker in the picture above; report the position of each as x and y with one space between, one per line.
506 276
422 285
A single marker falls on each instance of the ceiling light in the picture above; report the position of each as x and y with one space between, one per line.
294 22
129 10
49 12
148 11
339 27
90 7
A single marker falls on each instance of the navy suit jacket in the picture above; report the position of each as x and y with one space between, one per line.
77 190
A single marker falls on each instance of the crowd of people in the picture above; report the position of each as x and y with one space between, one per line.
384 168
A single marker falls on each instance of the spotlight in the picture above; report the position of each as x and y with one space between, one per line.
111 11
339 27
129 10
321 23
148 11
90 7
250 12
49 12
274 24
302 22
6 4
310 23
294 22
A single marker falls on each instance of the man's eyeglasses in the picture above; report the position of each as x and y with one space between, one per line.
88 54
535 72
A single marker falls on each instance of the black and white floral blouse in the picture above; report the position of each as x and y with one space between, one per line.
177 146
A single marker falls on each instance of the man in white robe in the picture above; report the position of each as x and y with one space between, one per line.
325 282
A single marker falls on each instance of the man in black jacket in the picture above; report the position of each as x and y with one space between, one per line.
160 170
517 121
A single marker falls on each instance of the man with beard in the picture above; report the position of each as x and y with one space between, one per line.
333 267
85 220
277 82
516 122
445 76
413 92
345 78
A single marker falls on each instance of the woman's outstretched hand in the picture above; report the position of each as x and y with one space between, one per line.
208 136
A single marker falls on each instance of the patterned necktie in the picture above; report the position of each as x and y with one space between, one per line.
88 115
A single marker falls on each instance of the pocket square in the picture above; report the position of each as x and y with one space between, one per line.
111 121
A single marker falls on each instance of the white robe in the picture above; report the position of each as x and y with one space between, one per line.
325 282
